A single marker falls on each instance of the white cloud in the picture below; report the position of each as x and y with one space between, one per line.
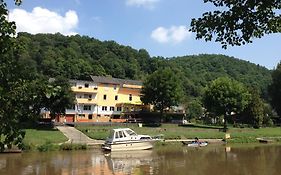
174 34
42 20
150 4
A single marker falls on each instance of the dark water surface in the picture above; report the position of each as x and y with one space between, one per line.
170 160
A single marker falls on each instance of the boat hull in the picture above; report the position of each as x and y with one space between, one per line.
197 144
128 146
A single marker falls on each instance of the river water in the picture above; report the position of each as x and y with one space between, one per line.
166 160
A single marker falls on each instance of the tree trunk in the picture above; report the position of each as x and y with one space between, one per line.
161 115
224 123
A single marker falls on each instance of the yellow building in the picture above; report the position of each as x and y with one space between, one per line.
104 99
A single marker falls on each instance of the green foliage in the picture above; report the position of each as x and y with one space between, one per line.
12 86
274 90
57 96
194 110
162 89
225 95
238 22
48 146
200 70
255 110
270 116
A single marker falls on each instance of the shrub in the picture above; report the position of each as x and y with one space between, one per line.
47 147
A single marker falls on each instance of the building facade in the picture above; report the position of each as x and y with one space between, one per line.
104 99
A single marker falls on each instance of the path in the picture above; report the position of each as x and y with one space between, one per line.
76 136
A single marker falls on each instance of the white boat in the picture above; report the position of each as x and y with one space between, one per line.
125 139
197 144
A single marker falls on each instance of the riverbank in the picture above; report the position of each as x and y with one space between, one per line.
45 139
176 132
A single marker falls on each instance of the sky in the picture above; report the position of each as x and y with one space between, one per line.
159 26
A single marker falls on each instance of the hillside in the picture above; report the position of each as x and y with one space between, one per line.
76 57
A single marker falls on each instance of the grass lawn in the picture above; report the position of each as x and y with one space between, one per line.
173 131
41 136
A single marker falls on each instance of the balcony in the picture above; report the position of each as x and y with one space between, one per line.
83 89
86 101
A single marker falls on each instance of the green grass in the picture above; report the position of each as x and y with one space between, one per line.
172 131
36 137
249 135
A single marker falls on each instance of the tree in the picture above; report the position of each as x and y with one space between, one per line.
12 87
254 112
57 96
225 96
275 90
237 22
23 92
194 110
162 89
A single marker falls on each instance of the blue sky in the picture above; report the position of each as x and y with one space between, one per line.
159 26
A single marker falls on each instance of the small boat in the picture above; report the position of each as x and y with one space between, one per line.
125 139
195 144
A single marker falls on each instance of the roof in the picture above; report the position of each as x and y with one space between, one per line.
81 81
111 80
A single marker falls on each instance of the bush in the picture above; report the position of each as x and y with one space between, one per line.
27 146
47 147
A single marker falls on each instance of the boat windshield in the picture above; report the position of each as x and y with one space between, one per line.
111 135
131 133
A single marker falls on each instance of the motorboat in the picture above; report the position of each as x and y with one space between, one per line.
195 144
125 139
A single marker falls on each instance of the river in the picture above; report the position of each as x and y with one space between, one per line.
164 160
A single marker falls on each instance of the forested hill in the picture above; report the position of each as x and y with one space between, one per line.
76 57
201 69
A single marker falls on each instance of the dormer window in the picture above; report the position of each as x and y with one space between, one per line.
86 85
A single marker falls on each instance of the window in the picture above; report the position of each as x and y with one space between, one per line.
87 107
82 115
130 97
121 134
111 108
90 116
119 108
115 87
86 85
116 97
87 95
104 97
117 135
104 108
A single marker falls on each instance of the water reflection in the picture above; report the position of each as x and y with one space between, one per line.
171 159
131 162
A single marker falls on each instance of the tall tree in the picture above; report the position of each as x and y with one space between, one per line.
162 89
275 90
254 112
22 91
57 96
237 22
225 96
12 86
